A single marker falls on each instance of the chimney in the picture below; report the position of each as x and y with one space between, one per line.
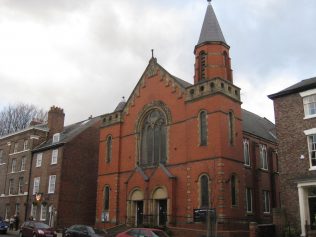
56 118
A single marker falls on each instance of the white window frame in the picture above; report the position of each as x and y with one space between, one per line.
36 185
249 199
263 157
43 214
56 137
39 158
16 146
26 145
21 184
10 191
54 156
310 133
307 95
246 152
1 157
266 202
13 166
23 163
52 184
17 208
6 214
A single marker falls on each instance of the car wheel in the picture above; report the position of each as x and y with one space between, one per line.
20 234
34 235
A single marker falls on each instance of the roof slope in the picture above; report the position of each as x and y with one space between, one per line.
70 132
211 31
258 126
303 85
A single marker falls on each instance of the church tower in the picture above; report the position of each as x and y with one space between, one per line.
211 52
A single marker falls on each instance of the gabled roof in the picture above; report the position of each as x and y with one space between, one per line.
69 132
258 126
303 85
211 31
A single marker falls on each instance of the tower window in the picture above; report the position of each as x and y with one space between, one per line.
233 186
204 187
202 65
231 127
153 138
203 128
109 149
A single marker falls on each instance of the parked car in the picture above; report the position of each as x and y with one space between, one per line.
4 226
143 232
36 229
83 231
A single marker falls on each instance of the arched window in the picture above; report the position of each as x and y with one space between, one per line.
106 198
231 127
202 68
203 128
153 138
204 188
233 186
109 149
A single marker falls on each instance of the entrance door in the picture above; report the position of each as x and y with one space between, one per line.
162 212
312 212
139 212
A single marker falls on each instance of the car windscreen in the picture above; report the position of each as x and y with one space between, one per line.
41 225
159 233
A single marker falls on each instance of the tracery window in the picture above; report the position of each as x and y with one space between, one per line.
204 188
153 138
203 128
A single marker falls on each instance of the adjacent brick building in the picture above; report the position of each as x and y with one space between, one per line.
15 163
175 148
295 117
64 173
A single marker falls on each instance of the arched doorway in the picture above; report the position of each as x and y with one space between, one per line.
160 206
136 207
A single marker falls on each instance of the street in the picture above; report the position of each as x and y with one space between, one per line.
10 233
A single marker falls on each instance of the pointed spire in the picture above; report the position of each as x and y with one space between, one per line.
211 31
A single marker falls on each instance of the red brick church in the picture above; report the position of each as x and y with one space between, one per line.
174 148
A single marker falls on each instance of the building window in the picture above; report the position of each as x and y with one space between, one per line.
43 213
52 182
202 69
109 149
10 186
36 185
21 184
204 187
25 145
233 188
56 137
13 166
16 146
309 105
54 156
203 128
266 201
17 209
34 211
6 214
106 198
231 128
39 158
312 149
1 157
153 138
23 162
246 152
263 157
249 200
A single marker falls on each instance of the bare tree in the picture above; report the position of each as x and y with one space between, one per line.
19 116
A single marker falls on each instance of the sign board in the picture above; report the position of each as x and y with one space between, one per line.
200 215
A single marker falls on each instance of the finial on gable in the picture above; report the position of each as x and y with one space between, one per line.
152 53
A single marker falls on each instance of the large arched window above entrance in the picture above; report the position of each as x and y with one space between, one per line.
153 136
204 191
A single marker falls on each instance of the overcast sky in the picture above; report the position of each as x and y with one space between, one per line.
84 55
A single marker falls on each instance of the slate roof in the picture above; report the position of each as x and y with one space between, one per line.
69 132
296 88
258 126
120 106
211 31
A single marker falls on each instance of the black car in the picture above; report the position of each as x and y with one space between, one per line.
83 231
3 226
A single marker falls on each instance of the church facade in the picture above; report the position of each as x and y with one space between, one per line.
175 149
